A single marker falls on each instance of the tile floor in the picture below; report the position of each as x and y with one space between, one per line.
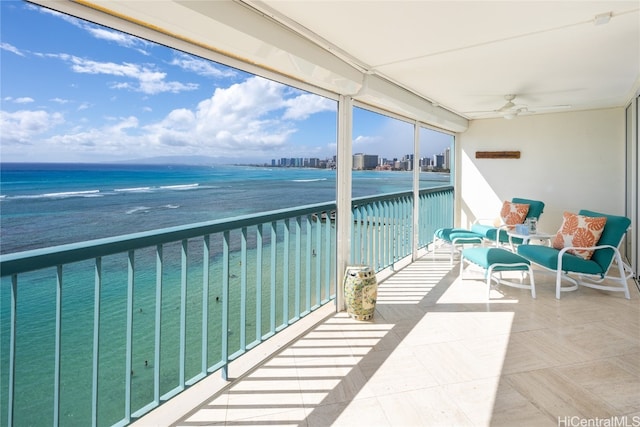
437 353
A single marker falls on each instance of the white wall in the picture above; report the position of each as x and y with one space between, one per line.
570 161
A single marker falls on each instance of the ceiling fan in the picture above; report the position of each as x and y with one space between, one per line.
511 110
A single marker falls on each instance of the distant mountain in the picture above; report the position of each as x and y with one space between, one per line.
180 160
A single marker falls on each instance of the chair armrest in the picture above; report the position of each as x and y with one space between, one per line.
564 250
505 227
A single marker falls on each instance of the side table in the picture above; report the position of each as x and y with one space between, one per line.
526 238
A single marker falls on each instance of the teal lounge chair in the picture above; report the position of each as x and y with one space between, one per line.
498 234
592 272
455 238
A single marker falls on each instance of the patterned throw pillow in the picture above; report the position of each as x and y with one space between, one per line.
579 231
513 213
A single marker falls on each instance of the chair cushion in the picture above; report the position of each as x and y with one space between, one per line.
485 257
580 231
490 232
535 206
612 234
513 213
548 257
459 235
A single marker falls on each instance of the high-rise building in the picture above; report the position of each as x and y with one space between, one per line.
447 158
438 161
363 161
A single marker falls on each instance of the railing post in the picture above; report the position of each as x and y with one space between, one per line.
12 349
317 253
285 269
258 305
328 258
184 279
58 348
129 334
307 294
206 252
297 269
274 253
158 324
96 341
224 346
243 289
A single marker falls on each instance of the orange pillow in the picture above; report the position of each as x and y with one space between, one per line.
513 213
579 231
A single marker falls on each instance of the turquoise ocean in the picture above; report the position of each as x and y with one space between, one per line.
43 205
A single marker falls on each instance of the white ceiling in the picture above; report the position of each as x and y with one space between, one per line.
464 56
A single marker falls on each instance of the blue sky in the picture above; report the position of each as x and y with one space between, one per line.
78 92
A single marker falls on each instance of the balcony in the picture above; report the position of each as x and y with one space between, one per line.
437 353
119 326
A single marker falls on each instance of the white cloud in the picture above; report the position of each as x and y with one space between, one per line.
23 127
142 78
248 118
68 18
114 36
99 32
10 48
240 117
23 100
301 107
125 123
201 67
112 141
251 118
361 142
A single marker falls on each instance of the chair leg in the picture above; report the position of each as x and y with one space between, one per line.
489 273
531 282
558 283
453 249
623 277
435 247
437 244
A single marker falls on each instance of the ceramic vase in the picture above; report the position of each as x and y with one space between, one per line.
360 291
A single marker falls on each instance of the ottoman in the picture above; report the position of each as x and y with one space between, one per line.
496 260
455 237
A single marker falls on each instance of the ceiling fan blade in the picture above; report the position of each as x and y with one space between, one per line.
509 105
481 112
511 110
549 108
506 107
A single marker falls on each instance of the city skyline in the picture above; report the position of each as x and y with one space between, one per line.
363 161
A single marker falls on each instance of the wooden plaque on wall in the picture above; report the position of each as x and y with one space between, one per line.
497 154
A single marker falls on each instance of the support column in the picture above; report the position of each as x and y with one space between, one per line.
344 164
416 192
